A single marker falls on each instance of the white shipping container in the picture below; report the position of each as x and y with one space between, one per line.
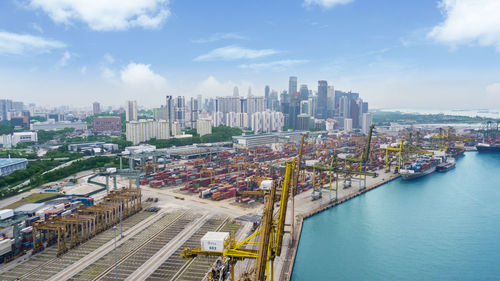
214 241
311 162
6 213
66 213
59 206
266 184
5 246
111 170
8 231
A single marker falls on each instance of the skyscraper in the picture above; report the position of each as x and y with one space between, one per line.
236 92
131 111
321 111
180 111
170 115
96 108
193 111
266 97
292 85
304 92
330 107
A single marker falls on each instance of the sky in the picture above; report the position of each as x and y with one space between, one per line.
427 54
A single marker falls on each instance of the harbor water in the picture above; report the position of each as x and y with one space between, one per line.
444 226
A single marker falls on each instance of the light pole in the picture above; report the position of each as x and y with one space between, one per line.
116 256
121 225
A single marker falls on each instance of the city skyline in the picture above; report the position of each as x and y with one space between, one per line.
401 56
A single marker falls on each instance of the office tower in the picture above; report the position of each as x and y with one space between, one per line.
347 124
17 106
249 91
312 104
294 110
96 108
330 107
344 107
321 111
266 97
366 123
304 92
131 111
236 92
274 104
292 85
4 109
200 103
304 107
354 113
285 106
365 107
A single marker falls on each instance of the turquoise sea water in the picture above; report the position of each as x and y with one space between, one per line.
445 226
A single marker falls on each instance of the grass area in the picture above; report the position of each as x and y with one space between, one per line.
32 198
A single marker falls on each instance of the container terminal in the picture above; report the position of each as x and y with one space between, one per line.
226 211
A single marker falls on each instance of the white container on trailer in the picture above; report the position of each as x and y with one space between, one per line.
5 246
214 241
6 213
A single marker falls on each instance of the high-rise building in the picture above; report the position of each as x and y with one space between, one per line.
204 126
266 97
96 108
347 124
322 101
144 130
236 92
304 92
180 111
330 107
366 123
131 111
193 111
249 91
170 113
292 85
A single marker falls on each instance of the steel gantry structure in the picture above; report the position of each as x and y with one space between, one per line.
270 234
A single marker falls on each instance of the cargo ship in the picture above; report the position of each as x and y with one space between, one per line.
489 147
420 168
446 165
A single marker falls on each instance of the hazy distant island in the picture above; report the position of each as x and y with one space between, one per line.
383 118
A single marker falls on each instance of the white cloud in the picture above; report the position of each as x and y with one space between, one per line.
234 53
14 43
83 70
109 58
326 3
64 59
220 36
140 76
469 21
212 87
37 27
105 15
108 74
493 89
279 65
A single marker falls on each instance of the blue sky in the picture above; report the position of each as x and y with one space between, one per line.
407 54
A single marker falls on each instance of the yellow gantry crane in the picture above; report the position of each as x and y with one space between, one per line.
271 233
401 152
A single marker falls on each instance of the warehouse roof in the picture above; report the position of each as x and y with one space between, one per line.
29 208
5 162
